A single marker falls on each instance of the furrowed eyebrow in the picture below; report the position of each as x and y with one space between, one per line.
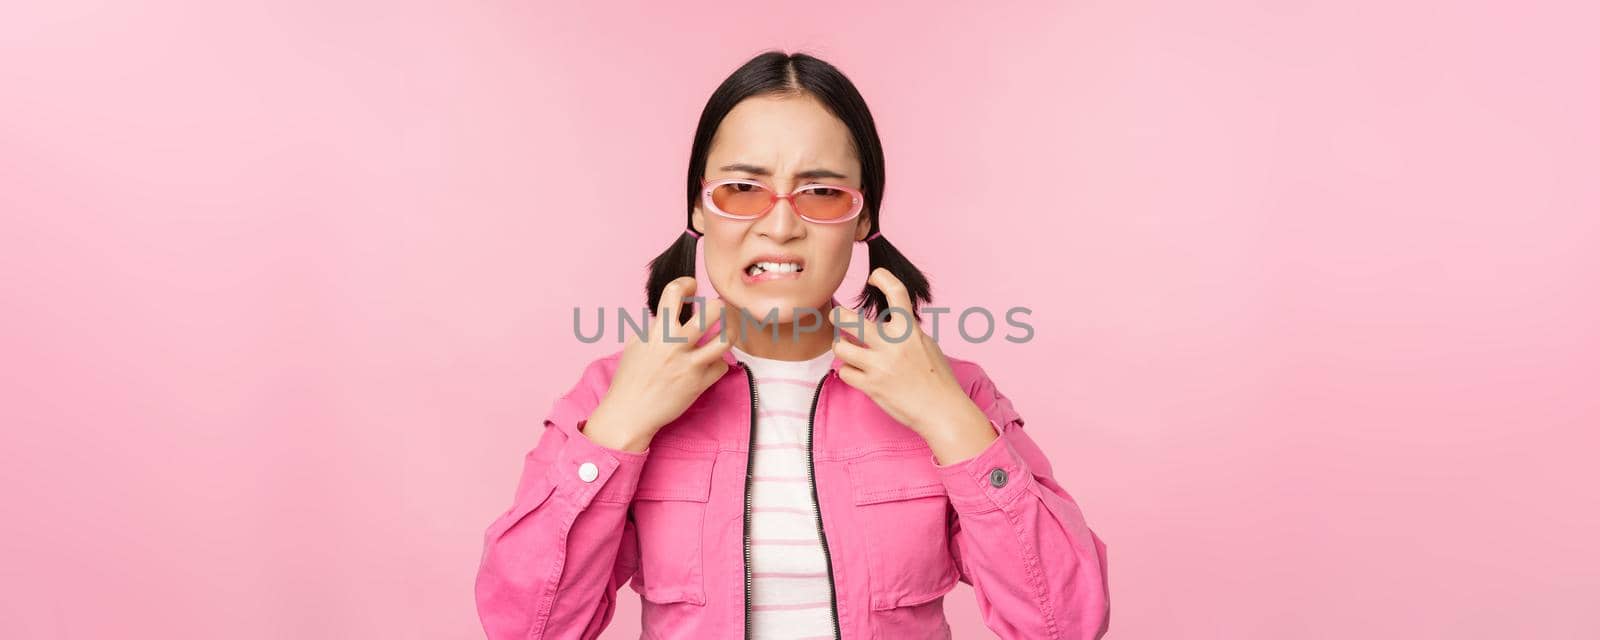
803 175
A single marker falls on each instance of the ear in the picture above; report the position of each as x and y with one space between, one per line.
863 226
698 219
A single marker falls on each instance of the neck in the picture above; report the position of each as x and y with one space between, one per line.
782 340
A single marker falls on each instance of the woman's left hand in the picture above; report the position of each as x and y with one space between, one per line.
902 369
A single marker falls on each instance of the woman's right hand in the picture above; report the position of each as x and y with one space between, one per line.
657 380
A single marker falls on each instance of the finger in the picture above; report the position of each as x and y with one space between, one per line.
856 356
894 291
848 322
711 352
718 343
714 372
672 295
671 301
853 377
704 319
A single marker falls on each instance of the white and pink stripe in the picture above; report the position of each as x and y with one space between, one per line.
791 595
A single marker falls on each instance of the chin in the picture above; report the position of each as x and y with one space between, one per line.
759 306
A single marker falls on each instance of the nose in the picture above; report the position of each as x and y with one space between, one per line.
781 223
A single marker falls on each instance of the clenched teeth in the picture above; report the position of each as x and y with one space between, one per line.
780 267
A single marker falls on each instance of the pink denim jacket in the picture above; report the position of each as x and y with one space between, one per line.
899 529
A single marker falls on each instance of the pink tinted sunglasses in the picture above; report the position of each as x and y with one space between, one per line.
743 199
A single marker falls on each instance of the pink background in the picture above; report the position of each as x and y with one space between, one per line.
286 287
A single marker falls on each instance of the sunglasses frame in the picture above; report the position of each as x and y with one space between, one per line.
857 200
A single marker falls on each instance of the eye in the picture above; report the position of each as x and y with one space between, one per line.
823 191
741 187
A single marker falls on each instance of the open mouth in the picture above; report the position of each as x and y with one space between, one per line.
765 266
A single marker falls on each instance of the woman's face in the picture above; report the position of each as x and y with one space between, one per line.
783 142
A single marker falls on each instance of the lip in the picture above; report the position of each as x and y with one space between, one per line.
772 275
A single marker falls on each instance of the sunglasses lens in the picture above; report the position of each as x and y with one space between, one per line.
824 203
741 199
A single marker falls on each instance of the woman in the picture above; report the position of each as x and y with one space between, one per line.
748 472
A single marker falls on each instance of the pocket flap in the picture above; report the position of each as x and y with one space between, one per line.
676 476
875 480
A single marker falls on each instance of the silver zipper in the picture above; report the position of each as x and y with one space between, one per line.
816 506
749 477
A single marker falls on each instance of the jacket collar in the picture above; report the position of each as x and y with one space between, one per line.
727 356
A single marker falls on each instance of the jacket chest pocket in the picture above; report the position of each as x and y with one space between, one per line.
904 512
669 512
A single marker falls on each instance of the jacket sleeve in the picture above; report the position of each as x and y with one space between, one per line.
553 562
1036 568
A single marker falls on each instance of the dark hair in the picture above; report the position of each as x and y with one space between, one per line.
778 73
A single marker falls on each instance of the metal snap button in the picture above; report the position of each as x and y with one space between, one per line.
997 477
588 472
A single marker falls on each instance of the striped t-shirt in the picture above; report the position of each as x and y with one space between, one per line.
791 597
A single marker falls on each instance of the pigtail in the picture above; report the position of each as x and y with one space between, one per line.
676 262
882 254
